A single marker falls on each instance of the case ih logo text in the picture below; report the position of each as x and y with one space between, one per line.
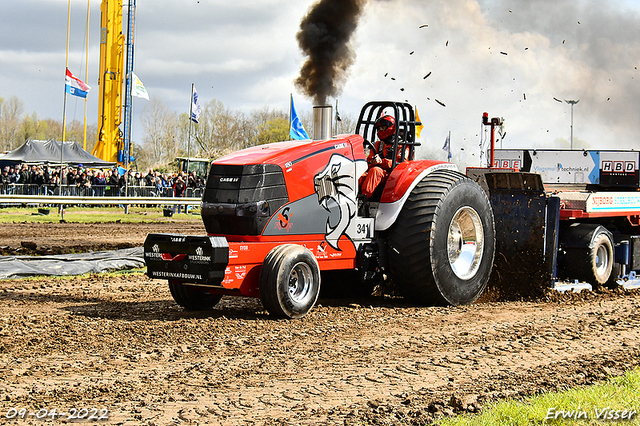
229 179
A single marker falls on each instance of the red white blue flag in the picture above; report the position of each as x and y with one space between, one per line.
74 86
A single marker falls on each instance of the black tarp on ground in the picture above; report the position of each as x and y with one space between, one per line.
48 152
71 264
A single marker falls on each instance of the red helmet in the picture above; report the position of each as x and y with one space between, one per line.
385 126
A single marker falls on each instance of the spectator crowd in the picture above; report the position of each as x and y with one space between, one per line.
26 179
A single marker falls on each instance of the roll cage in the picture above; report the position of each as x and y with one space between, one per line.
405 135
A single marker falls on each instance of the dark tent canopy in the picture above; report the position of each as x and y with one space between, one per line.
48 152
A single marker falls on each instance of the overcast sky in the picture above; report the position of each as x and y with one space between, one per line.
510 58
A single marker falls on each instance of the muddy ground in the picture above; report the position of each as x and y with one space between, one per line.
61 238
121 344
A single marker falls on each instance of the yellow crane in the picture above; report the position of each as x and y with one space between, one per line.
111 77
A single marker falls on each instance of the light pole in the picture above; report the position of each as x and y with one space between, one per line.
572 103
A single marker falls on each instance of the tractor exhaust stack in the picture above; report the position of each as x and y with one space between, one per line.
322 118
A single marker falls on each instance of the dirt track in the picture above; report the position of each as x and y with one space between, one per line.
122 344
57 238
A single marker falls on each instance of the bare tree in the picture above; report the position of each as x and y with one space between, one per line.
166 134
346 126
160 141
10 111
221 130
74 133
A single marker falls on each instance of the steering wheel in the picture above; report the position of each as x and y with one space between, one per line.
371 146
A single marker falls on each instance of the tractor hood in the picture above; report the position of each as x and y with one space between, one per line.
286 154
245 188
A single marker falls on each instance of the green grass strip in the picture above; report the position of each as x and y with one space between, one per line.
94 215
616 402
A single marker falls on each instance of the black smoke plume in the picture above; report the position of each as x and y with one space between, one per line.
324 38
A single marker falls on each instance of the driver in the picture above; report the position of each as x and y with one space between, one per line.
380 161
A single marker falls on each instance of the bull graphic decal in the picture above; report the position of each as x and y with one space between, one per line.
333 186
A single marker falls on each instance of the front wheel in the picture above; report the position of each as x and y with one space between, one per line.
442 245
193 298
289 281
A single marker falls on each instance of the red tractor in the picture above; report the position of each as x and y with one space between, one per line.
281 216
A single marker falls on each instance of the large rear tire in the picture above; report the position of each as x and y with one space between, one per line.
442 246
289 281
193 298
588 254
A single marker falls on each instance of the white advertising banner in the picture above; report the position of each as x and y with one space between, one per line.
613 202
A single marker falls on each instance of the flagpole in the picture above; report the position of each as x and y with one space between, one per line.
86 78
64 105
335 117
290 105
189 138
66 65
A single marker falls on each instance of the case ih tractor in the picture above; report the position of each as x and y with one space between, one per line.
281 216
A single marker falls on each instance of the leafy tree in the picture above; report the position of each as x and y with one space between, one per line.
275 130
32 128
270 126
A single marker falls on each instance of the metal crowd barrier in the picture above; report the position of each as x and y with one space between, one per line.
70 200
71 195
94 191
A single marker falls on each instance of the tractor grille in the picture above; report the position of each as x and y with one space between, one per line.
239 200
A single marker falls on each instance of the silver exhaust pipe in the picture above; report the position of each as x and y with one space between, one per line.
322 119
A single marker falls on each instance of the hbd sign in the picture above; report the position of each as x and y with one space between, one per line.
619 168
625 167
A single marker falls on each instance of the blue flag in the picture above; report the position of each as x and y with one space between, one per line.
447 147
296 129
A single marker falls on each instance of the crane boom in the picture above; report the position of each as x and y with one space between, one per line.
110 80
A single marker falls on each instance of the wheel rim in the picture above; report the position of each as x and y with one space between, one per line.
465 243
300 282
602 260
